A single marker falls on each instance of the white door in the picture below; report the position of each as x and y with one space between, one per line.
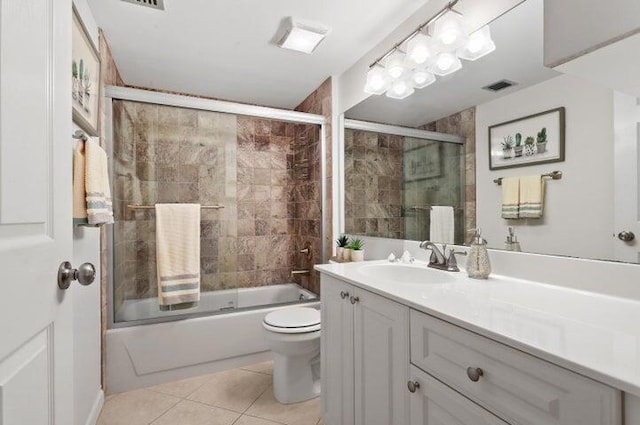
35 212
627 179
381 335
336 352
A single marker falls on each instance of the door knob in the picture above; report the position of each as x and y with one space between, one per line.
626 236
85 274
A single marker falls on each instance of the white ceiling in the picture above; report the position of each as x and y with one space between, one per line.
221 48
518 57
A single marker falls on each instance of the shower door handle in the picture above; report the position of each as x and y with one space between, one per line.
85 274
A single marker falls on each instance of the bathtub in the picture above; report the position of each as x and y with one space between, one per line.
223 332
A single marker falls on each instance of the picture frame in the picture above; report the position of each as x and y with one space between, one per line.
530 140
85 78
424 162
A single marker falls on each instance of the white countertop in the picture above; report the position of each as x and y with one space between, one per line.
589 333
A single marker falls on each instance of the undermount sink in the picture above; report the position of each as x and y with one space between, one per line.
404 273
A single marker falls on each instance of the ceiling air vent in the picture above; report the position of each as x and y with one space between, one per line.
154 4
500 85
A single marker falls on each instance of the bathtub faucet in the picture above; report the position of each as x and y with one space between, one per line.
301 272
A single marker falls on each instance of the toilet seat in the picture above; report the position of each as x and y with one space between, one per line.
294 320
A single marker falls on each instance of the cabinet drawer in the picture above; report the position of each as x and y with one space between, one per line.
434 403
514 385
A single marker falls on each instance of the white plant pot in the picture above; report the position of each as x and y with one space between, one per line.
340 253
346 256
357 255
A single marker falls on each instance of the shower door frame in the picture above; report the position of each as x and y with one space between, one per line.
351 124
182 101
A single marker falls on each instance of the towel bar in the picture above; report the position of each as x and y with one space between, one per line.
554 175
152 207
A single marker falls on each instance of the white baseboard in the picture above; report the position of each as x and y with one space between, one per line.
96 408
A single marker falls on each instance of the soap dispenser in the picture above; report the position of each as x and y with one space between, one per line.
512 243
478 265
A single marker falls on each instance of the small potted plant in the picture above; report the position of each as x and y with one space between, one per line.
357 250
342 242
529 146
507 145
541 141
517 149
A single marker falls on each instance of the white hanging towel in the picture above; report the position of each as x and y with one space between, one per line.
99 209
178 255
442 225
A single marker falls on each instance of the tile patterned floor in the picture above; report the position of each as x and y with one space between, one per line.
241 396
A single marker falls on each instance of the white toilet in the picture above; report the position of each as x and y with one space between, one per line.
293 335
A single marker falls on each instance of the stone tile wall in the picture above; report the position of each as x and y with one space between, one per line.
167 154
463 124
319 102
374 184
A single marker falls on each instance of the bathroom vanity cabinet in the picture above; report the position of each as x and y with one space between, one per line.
384 363
365 353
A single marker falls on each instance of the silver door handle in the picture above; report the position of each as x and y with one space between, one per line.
626 236
85 274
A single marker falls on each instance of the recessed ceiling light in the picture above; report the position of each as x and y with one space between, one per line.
301 36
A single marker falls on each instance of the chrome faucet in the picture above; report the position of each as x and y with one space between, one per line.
437 260
437 257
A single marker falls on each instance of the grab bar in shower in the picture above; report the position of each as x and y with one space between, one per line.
152 207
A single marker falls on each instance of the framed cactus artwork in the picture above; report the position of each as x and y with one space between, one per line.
534 139
85 78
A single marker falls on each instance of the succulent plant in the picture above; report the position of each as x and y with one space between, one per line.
518 139
356 245
508 142
529 141
542 135
342 241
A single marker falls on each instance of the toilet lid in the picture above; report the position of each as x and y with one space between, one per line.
293 318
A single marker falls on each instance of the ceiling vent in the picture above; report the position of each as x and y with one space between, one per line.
500 85
154 4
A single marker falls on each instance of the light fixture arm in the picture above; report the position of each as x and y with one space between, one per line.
418 30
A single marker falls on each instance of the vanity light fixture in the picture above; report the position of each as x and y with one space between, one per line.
479 45
434 48
377 80
301 36
400 89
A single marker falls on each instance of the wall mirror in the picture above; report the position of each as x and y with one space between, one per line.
450 145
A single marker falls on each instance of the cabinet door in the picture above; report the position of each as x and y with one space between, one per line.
433 403
337 352
381 337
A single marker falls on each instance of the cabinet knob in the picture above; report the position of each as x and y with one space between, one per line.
413 386
354 300
344 294
626 236
474 373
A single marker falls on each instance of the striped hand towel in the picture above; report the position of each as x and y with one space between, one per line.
510 197
531 196
178 255
79 192
99 208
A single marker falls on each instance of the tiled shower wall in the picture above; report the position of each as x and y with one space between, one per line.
463 124
167 154
445 186
373 185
